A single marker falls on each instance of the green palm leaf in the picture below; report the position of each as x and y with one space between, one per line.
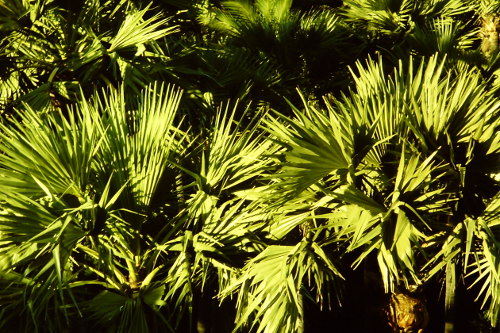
271 286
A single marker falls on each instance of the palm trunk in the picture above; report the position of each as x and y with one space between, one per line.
301 313
489 34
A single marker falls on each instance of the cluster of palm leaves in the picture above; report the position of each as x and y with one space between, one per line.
220 166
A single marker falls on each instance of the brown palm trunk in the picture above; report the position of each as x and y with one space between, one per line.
407 313
490 30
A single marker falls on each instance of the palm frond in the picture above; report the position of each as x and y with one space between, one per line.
272 285
136 30
316 145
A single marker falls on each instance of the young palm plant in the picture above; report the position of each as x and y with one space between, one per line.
402 168
50 52
402 27
308 46
77 190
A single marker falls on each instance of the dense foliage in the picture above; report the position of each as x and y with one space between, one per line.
249 166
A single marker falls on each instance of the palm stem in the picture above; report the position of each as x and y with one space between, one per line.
450 297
